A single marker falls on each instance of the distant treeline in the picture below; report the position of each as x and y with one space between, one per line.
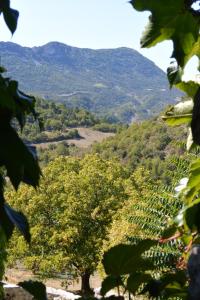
59 122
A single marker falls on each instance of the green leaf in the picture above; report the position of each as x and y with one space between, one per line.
169 285
191 216
193 185
19 220
189 87
21 165
10 218
35 288
135 280
126 259
109 283
171 20
153 288
11 17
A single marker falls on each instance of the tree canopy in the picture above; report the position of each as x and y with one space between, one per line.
70 215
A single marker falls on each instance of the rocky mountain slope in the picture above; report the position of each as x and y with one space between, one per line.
120 83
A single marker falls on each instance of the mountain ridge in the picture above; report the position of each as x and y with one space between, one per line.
119 82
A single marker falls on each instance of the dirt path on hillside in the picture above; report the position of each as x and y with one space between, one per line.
88 137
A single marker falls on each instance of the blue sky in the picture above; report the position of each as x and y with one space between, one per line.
83 23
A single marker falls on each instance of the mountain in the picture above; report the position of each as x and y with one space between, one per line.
119 83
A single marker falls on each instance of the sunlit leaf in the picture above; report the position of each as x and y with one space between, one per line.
171 20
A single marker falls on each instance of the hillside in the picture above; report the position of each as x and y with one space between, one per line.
60 123
150 144
119 83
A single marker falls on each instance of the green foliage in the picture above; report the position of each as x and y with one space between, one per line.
57 121
20 165
124 259
127 260
150 144
70 214
166 23
106 127
179 22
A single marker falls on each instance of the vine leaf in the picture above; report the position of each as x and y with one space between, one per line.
171 21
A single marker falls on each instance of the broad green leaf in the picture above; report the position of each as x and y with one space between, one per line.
191 216
153 288
171 20
20 163
109 283
19 220
9 218
169 285
193 185
135 280
189 87
35 288
126 259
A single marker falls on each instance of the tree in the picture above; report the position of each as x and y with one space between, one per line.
178 21
70 215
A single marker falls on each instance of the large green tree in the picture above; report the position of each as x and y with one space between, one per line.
70 215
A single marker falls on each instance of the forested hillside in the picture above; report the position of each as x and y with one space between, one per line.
148 144
119 83
59 123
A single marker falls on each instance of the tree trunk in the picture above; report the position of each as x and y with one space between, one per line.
85 284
